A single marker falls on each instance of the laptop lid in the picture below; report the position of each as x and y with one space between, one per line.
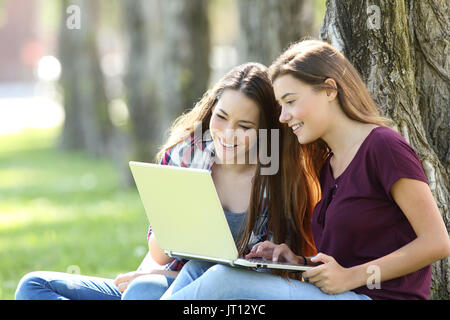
184 210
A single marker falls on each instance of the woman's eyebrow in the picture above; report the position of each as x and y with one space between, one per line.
286 94
246 121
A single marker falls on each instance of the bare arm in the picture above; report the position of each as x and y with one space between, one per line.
156 252
432 243
123 280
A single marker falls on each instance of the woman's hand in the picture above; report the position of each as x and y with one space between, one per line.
123 280
330 277
275 252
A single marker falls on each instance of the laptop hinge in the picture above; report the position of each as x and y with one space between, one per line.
198 257
169 253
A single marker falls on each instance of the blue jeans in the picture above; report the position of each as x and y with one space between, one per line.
228 283
47 285
192 270
148 287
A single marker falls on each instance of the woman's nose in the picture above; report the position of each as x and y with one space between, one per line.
284 116
229 134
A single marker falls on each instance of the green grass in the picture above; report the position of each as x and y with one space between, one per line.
63 209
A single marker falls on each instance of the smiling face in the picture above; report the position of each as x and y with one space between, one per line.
305 110
233 125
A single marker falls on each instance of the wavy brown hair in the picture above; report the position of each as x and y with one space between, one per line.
289 197
314 61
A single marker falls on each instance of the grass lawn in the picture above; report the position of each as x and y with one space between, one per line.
63 211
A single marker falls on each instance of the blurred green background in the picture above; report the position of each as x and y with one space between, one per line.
63 211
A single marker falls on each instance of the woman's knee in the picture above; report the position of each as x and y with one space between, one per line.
148 287
220 270
196 268
218 282
29 282
222 276
199 265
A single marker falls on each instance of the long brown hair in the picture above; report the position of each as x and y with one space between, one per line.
287 194
314 61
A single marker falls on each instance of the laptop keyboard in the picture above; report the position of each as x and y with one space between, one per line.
264 261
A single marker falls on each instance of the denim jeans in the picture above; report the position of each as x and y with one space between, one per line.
219 282
192 270
47 285
148 287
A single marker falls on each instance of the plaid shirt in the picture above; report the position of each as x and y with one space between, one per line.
200 154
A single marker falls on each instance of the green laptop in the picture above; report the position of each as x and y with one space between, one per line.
185 213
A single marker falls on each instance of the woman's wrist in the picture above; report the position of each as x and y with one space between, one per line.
302 260
310 263
363 274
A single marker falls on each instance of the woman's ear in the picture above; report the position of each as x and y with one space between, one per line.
332 92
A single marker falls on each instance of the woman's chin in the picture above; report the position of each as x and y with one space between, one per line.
230 159
302 139
224 158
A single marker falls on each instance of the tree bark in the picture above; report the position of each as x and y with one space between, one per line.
140 87
87 124
401 50
269 26
168 67
185 44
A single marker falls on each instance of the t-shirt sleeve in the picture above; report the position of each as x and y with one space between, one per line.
395 159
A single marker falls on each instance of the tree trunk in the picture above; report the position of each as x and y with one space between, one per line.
401 50
269 26
139 81
168 67
87 124
185 47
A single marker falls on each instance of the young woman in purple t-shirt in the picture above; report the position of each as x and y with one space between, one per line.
377 220
377 227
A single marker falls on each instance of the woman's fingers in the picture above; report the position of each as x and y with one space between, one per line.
313 272
123 286
283 253
261 249
270 251
122 280
321 257
118 279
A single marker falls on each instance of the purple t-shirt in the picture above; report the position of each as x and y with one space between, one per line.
362 221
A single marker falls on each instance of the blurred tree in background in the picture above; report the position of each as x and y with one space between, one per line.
166 51
268 27
166 69
87 124
167 65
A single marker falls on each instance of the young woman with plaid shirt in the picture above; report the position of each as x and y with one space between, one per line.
229 117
